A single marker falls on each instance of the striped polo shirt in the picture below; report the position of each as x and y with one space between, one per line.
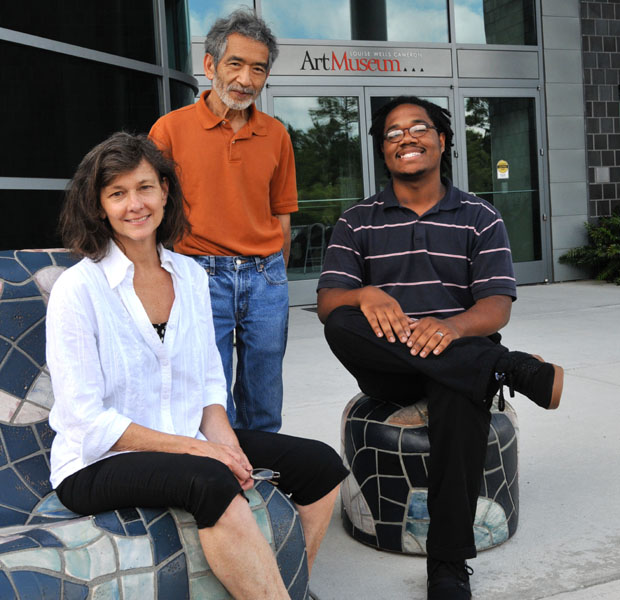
437 265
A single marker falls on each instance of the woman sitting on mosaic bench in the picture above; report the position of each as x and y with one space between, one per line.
140 395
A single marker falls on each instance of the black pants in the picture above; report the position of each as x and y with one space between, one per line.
457 384
202 486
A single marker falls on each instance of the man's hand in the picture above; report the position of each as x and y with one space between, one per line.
384 314
431 335
486 316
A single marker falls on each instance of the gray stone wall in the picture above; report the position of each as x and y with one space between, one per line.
600 34
564 95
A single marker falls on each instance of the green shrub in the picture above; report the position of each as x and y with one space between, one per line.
601 257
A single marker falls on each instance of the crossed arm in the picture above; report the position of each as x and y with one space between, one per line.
429 334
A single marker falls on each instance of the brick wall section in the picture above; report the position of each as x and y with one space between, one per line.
600 29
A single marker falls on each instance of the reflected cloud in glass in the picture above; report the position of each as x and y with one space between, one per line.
203 13
496 22
407 21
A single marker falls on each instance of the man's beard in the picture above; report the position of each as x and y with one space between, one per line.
222 91
416 176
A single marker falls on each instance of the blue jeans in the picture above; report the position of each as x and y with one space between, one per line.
249 296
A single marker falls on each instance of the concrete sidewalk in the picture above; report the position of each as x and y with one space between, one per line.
567 545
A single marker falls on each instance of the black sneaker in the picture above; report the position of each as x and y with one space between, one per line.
448 580
529 375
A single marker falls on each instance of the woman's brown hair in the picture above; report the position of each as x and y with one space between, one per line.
82 229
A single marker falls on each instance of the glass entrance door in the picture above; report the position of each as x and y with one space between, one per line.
503 165
329 145
496 155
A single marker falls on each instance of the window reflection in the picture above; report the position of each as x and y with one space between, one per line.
502 166
123 28
495 22
49 138
30 219
203 13
177 31
391 20
325 132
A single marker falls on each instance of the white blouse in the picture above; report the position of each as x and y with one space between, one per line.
109 367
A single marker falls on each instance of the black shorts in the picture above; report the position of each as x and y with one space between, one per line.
202 486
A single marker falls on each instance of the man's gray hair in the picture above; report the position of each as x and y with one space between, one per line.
245 22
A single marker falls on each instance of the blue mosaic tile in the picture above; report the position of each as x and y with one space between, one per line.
46 434
7 253
19 441
21 543
418 529
50 509
386 483
11 270
33 343
45 538
65 259
29 290
17 317
128 514
4 348
35 472
417 506
34 261
30 584
150 514
298 590
3 457
17 374
135 528
74 591
15 495
165 538
6 589
282 516
288 562
10 516
110 522
172 580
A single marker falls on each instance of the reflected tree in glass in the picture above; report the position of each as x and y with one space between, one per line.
504 129
325 133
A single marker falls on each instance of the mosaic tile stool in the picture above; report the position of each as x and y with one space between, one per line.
46 551
384 498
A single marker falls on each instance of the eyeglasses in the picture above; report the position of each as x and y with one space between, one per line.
265 475
415 131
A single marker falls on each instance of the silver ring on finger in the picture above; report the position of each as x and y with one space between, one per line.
439 333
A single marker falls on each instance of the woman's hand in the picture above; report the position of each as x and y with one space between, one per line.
216 428
232 456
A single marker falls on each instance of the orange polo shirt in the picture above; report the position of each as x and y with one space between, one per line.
234 182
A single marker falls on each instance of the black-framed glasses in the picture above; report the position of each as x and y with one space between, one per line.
265 475
415 131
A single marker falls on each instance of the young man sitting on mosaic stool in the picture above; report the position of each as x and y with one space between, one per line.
140 393
417 281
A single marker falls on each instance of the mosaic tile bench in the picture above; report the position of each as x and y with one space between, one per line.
384 498
46 551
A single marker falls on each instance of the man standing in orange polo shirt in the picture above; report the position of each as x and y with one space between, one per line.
238 173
